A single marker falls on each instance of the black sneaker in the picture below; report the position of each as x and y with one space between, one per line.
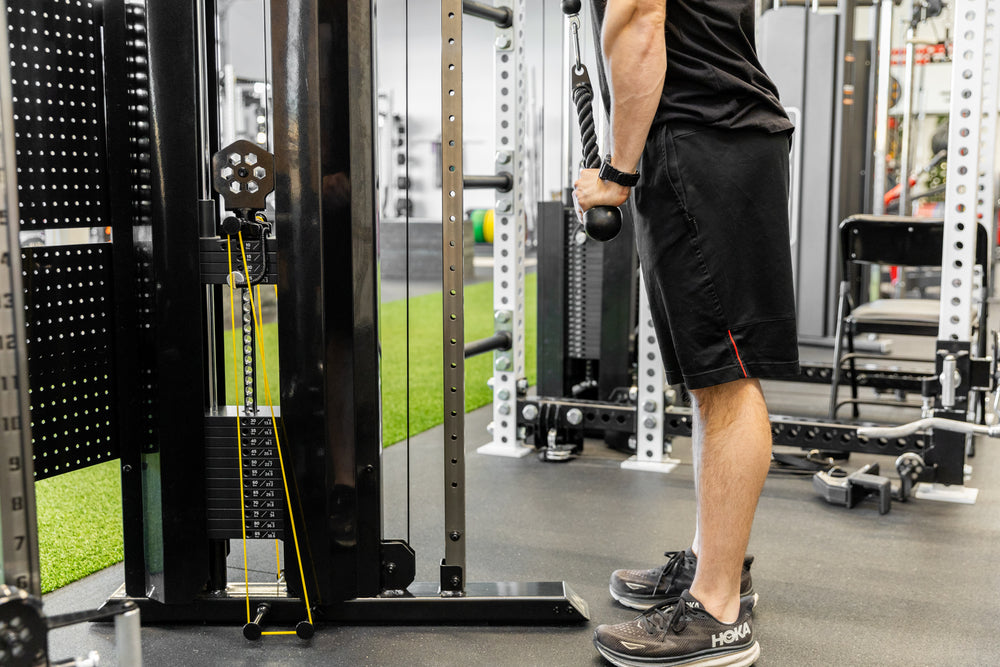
680 632
641 589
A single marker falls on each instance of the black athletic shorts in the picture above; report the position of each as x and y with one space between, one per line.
712 234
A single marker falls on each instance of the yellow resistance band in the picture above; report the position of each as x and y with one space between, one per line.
277 441
277 544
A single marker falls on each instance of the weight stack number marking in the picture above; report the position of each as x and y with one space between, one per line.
263 495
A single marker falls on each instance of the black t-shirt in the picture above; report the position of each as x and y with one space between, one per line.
713 74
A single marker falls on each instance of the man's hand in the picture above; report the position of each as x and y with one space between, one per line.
590 191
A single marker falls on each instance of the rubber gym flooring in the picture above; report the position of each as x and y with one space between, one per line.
917 586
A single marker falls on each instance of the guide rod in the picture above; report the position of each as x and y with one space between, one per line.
503 182
500 341
503 17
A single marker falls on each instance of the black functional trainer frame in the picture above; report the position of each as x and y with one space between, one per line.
170 423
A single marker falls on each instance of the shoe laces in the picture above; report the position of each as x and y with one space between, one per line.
672 565
667 617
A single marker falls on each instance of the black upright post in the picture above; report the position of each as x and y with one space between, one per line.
619 305
326 207
166 251
946 453
551 349
855 108
363 358
127 103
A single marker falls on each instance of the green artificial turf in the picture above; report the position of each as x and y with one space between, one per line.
79 523
80 515
425 358
426 362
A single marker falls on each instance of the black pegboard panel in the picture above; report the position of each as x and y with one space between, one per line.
68 319
56 72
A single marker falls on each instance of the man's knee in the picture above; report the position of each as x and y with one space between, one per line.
727 390
730 398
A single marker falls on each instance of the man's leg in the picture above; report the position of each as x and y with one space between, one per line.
732 450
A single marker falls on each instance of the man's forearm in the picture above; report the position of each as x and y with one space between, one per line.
635 57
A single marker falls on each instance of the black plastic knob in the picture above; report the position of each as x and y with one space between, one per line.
231 226
602 223
571 7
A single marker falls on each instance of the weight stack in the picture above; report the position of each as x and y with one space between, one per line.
587 307
263 490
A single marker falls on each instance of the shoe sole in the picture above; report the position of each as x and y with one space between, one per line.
741 658
643 605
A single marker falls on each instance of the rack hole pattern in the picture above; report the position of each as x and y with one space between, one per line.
68 322
522 78
963 171
58 93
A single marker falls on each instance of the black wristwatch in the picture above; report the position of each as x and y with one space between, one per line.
609 173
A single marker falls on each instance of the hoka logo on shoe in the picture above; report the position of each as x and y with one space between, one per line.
632 647
731 636
634 587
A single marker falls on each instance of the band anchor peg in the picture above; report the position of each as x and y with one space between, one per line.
253 629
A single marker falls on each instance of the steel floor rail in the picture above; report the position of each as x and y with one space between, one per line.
788 431
547 602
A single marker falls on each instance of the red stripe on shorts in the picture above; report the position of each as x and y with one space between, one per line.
737 354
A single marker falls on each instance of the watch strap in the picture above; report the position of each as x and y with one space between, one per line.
609 173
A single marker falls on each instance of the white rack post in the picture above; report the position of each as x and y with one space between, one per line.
509 234
883 51
971 95
651 452
988 129
964 150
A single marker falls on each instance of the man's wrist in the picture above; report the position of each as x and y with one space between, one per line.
629 167
610 173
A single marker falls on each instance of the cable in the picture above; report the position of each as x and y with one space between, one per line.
406 148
